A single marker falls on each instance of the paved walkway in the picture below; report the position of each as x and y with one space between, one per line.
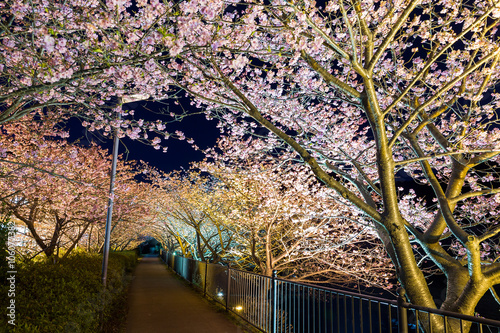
159 302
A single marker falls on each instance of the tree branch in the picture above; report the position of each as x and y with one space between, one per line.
435 58
329 78
444 89
388 39
322 175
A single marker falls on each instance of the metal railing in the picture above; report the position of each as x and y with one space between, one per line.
276 305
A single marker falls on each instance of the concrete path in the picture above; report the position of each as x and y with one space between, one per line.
160 303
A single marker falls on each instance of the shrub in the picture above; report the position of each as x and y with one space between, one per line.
68 296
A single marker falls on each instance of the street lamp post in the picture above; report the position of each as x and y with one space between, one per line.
107 232
109 215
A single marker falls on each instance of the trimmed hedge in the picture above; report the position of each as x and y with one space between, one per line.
68 296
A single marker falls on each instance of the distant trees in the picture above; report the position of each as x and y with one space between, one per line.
265 216
192 214
58 191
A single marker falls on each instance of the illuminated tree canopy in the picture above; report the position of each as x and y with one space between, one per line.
366 93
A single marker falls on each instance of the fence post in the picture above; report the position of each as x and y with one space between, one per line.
274 291
205 286
228 291
402 312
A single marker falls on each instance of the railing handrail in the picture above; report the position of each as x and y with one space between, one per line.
452 314
358 295
345 292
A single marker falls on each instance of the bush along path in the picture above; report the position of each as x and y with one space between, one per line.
68 296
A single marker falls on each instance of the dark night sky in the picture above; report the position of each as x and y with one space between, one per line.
179 153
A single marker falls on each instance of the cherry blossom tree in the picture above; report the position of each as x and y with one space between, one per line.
283 219
260 220
132 214
367 93
363 92
58 190
192 214
83 59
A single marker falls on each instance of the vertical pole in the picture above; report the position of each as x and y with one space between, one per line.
109 215
273 302
228 291
205 286
402 312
